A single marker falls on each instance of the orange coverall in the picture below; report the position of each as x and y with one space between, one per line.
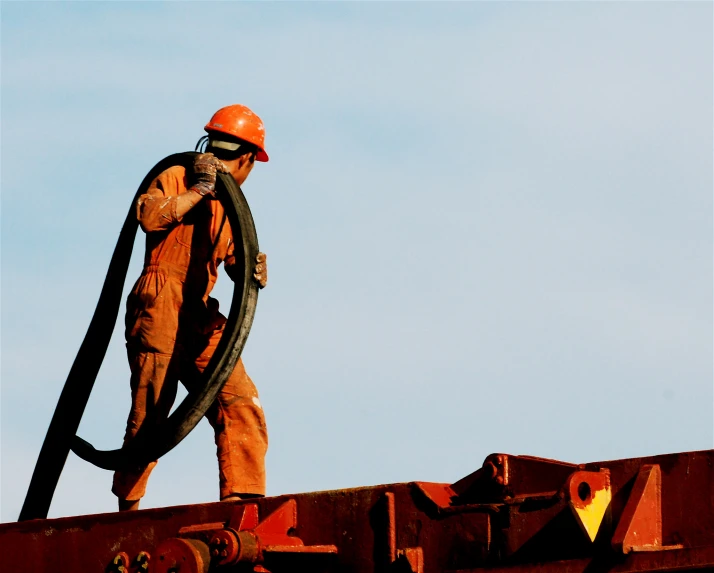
173 328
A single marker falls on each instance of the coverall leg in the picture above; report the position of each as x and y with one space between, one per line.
238 423
236 417
154 379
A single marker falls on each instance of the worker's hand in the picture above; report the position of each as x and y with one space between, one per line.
205 167
261 270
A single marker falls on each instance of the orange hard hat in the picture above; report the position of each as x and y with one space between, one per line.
239 121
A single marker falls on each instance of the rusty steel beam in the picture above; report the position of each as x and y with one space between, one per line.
515 514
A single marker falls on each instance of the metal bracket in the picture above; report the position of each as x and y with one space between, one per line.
589 496
412 557
640 526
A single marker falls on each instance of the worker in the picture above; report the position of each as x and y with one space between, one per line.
172 324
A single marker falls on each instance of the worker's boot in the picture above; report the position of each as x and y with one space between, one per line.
128 504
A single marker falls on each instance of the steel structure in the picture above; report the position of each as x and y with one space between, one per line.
515 514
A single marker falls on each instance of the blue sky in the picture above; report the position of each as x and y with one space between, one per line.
489 228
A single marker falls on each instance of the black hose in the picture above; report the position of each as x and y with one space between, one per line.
61 435
201 144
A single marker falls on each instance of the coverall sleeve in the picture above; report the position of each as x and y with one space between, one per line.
156 209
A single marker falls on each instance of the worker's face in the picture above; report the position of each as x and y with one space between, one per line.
240 168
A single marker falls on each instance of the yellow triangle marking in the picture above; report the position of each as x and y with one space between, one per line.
591 516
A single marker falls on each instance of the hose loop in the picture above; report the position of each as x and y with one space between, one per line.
61 435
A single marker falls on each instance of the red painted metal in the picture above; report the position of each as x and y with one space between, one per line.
640 527
581 486
515 514
181 555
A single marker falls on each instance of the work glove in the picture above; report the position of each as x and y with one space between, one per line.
261 270
205 167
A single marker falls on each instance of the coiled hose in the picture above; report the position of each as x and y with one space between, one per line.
61 435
